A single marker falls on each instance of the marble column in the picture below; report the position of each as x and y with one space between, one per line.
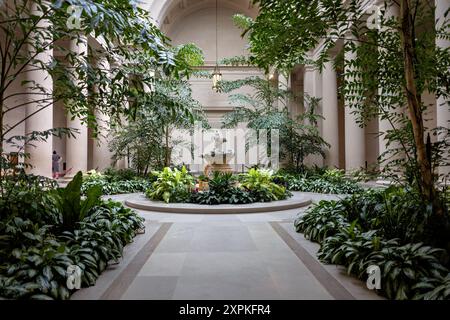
39 115
355 147
383 124
101 156
330 107
312 87
77 148
442 105
283 84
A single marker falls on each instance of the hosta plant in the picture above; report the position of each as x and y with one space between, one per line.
261 186
172 185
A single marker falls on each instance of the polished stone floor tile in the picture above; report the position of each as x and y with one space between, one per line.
163 264
236 287
151 288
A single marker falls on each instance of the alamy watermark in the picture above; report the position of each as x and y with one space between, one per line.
240 146
74 21
73 277
374 278
374 19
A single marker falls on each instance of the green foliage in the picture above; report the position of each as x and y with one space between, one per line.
171 185
149 140
128 36
26 197
402 267
19 143
324 181
221 182
118 187
266 109
394 64
100 238
435 288
390 228
36 272
223 188
117 23
189 54
113 174
72 207
115 182
36 247
236 61
242 21
322 220
260 184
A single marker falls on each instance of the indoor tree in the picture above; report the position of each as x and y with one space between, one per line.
30 30
147 139
399 56
265 108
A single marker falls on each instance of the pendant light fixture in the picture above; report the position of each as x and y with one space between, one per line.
216 76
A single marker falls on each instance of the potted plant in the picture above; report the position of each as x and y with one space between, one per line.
203 182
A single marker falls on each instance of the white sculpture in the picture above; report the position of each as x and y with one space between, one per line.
219 155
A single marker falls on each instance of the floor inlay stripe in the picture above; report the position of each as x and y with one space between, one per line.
334 287
126 277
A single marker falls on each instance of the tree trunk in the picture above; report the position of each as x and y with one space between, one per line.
407 36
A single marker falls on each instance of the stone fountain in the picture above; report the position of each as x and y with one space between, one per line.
218 159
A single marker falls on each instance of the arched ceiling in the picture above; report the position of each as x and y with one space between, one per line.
166 12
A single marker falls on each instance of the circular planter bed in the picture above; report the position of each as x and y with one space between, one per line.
298 200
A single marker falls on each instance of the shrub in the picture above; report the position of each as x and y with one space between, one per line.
388 228
434 288
350 247
101 237
118 187
402 267
171 185
115 181
261 187
323 181
222 189
35 251
27 197
113 174
72 207
234 195
322 220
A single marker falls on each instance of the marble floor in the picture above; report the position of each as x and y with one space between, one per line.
223 256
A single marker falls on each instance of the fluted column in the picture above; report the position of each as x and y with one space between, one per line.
442 105
355 146
330 113
77 148
283 84
101 156
40 154
383 124
312 88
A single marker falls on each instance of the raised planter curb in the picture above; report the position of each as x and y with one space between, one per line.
140 202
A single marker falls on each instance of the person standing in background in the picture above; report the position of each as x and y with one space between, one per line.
55 164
